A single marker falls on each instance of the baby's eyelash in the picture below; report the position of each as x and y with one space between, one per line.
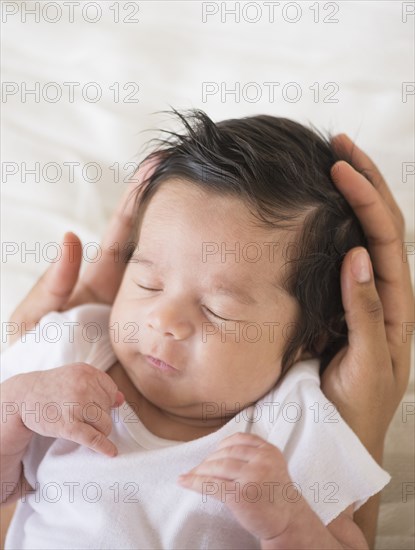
146 288
211 312
217 316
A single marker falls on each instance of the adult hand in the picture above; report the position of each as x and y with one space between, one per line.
61 287
367 379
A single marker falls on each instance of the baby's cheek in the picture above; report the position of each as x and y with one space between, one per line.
121 325
264 339
261 350
111 322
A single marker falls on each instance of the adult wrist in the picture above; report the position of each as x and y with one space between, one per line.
375 447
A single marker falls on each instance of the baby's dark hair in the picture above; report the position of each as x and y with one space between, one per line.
281 170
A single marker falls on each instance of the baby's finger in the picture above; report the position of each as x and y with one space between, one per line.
111 397
86 435
119 399
242 438
224 468
241 452
93 415
209 485
244 453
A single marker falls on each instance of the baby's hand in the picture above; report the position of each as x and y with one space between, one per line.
251 477
71 402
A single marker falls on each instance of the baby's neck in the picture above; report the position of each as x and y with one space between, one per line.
157 421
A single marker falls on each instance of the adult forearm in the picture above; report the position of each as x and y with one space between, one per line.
367 515
366 518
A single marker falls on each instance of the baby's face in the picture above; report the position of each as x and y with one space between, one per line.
219 319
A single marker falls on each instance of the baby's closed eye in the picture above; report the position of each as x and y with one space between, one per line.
217 314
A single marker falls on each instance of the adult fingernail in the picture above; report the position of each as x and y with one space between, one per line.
361 266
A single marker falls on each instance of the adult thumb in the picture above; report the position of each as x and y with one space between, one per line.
53 288
363 307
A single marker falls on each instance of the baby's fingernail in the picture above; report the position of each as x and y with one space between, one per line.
119 399
183 480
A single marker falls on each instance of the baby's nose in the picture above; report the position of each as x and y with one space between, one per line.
170 321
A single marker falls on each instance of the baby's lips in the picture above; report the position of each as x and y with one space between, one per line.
119 399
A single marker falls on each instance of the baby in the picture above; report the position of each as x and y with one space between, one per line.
189 413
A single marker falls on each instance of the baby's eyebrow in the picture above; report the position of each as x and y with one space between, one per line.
137 259
235 292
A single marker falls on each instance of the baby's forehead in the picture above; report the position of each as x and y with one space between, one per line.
182 203
223 233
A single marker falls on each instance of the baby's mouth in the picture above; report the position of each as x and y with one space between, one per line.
160 364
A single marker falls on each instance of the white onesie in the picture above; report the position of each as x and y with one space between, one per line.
84 499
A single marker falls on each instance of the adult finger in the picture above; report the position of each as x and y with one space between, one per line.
385 244
106 274
391 268
52 290
350 152
363 312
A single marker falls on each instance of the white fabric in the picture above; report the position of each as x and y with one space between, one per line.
133 500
